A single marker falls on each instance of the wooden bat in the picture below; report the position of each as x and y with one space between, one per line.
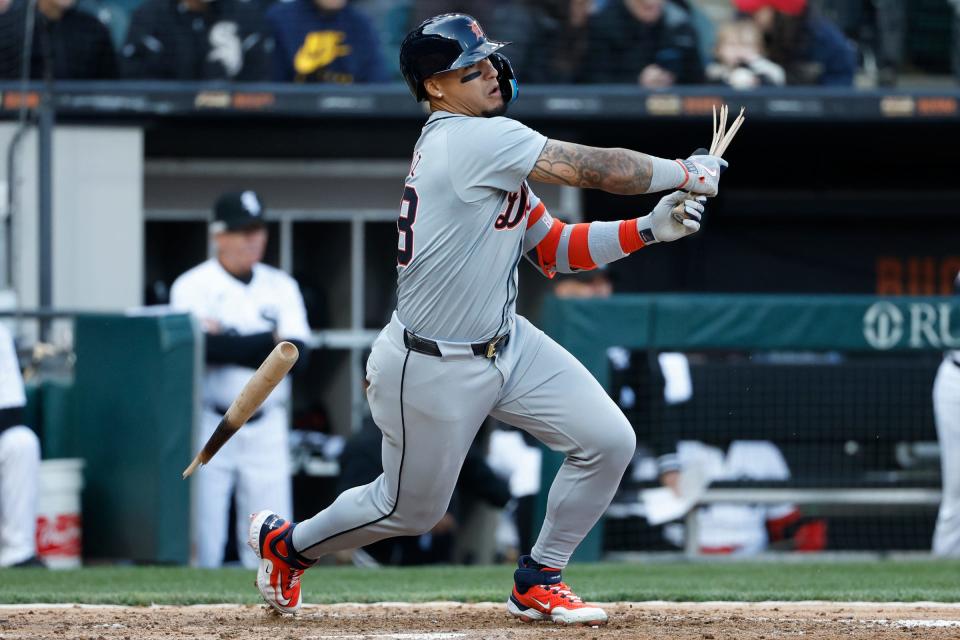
261 383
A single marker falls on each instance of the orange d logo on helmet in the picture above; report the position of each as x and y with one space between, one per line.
475 27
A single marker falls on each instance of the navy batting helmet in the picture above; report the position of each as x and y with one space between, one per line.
452 41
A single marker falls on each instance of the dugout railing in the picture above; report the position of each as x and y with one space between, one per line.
841 383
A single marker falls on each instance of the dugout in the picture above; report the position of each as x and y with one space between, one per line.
830 192
841 384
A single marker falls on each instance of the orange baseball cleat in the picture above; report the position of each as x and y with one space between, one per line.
539 594
278 578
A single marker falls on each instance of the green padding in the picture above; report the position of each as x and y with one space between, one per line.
134 399
59 418
587 328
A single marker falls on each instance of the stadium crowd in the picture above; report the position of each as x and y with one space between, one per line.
653 43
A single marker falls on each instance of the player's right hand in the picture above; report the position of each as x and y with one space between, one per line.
677 215
703 174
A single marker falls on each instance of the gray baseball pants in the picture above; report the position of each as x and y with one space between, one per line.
430 408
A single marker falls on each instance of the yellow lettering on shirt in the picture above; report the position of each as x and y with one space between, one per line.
319 49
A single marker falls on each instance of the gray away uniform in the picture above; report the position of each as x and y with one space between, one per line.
462 230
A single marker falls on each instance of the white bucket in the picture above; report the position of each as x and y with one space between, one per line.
58 512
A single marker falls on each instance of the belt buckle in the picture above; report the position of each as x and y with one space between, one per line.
492 346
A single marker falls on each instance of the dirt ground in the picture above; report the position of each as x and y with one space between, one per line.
449 621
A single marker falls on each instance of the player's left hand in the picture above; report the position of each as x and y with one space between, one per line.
675 216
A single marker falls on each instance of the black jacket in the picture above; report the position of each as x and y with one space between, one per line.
621 46
168 42
78 43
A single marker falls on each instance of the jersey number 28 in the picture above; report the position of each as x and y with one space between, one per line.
408 215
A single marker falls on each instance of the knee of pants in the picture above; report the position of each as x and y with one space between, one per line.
420 519
616 442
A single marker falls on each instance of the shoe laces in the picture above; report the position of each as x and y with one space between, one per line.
294 577
561 589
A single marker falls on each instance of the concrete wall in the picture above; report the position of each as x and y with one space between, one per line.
97 217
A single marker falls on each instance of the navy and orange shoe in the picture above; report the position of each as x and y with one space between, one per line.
278 578
539 593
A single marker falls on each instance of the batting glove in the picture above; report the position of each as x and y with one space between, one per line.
675 216
702 173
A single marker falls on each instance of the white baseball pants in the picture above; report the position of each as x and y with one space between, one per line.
946 412
255 463
19 479
430 408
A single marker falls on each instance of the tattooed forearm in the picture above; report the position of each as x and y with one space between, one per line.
619 171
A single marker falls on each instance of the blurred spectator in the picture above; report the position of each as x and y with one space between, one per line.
650 42
197 40
879 27
739 58
483 10
810 48
19 465
556 42
510 19
325 41
76 44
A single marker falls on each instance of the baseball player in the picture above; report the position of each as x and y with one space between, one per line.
245 308
946 413
19 465
455 351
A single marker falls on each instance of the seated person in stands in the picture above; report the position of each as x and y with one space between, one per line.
197 40
79 45
649 42
811 49
739 60
325 41
556 43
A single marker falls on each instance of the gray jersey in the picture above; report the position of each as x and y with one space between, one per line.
460 226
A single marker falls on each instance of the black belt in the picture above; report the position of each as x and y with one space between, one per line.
486 349
10 417
223 411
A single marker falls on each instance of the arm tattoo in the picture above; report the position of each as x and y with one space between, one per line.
619 171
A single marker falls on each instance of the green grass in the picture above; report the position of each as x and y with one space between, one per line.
913 580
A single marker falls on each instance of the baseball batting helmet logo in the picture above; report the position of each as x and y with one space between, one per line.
452 41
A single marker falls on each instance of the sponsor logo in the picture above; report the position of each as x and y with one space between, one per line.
664 105
253 100
212 100
545 605
700 105
59 536
897 106
923 325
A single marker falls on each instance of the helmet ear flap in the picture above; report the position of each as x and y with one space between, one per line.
507 79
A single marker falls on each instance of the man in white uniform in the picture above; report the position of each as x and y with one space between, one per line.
455 350
245 308
946 413
19 465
